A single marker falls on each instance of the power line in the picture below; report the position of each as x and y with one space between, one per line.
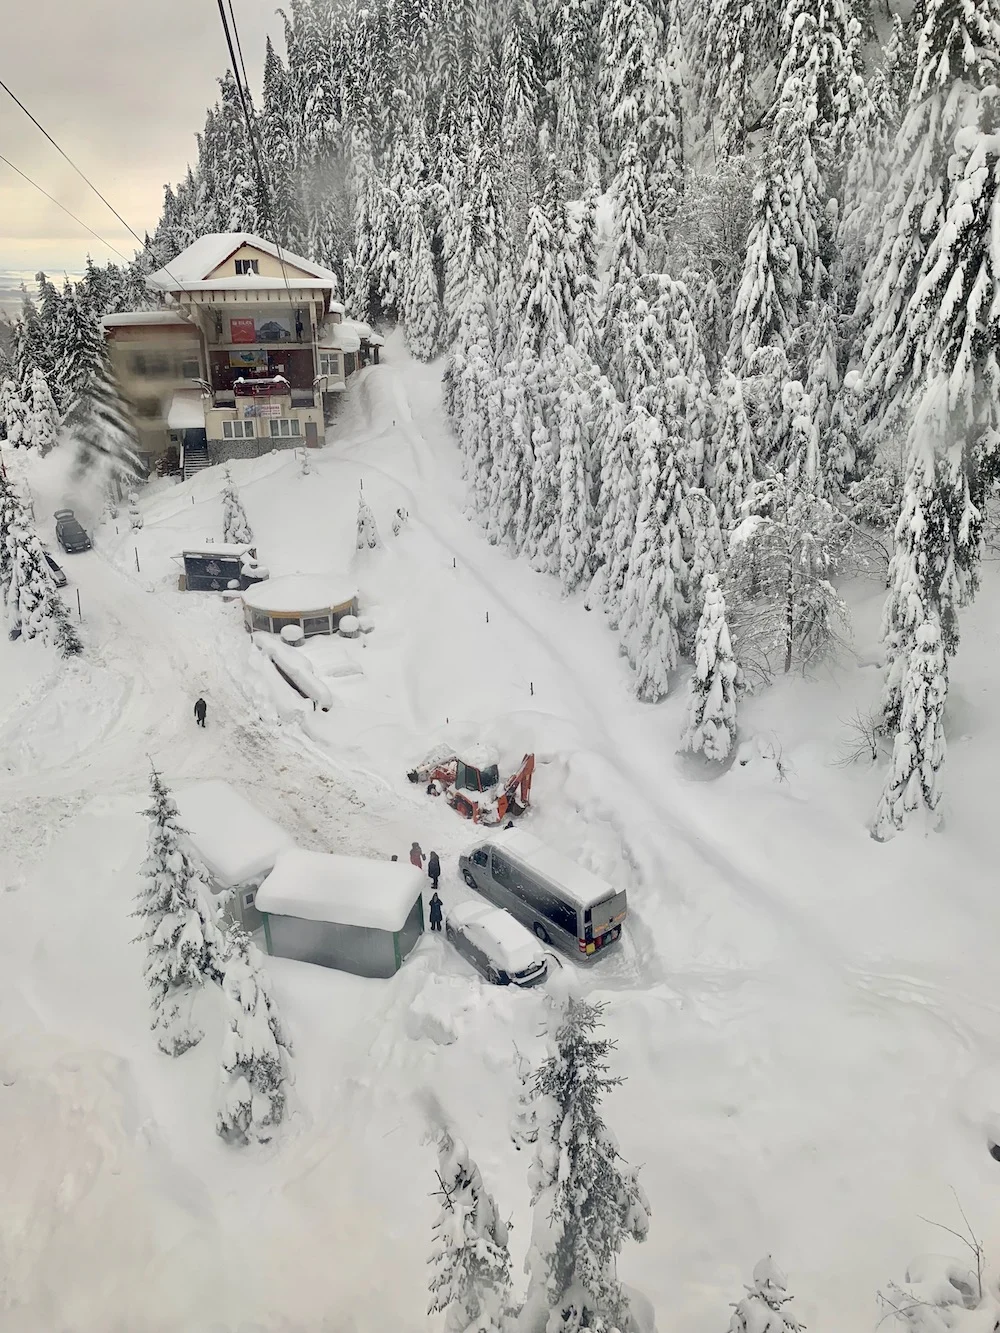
144 243
55 201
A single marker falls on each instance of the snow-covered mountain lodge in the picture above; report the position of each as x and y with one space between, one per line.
247 353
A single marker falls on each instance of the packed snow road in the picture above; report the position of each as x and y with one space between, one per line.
806 1022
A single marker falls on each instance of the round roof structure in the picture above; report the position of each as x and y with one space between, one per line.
299 594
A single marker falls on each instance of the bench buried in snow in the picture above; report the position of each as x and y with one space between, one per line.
236 844
315 602
352 913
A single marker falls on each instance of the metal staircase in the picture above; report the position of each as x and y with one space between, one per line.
195 459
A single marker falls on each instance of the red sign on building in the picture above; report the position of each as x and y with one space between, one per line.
242 331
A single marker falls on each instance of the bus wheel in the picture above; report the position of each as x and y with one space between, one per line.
542 933
467 876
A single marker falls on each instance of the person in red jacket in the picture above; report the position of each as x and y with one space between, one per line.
416 856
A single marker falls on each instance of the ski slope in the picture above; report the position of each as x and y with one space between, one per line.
807 1022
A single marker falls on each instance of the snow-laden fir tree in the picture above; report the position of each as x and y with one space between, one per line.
585 1203
628 262
578 397
9 506
783 557
544 515
81 352
255 1050
470 1261
368 538
704 555
734 41
734 452
43 415
652 601
34 608
236 529
183 944
710 728
16 423
762 1309
422 316
100 427
918 752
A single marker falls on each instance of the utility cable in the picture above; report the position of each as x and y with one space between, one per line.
55 201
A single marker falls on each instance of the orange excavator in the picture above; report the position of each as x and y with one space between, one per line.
472 785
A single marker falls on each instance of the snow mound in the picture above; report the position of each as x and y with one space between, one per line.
51 727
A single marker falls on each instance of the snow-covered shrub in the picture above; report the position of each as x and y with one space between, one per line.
183 946
134 512
305 467
760 1310
368 538
585 1203
236 529
255 1049
399 521
470 1281
711 718
939 1296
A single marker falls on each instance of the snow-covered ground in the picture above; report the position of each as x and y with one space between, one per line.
807 1021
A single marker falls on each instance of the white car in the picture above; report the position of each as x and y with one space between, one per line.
497 946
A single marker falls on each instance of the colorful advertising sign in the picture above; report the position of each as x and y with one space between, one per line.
242 331
255 360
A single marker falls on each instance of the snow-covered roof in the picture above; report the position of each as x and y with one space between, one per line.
193 265
346 890
376 340
342 337
255 282
216 548
359 326
581 886
235 841
140 317
503 939
186 411
292 594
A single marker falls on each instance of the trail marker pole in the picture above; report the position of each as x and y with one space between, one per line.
531 683
78 611
487 617
454 563
136 549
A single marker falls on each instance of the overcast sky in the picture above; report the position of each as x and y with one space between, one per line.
122 86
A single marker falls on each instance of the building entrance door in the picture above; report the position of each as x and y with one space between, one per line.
312 435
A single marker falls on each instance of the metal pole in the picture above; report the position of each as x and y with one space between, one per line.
136 549
78 611
487 617
532 684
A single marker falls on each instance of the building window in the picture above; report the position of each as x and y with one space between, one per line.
138 364
248 899
147 407
191 368
284 427
237 430
329 363
244 266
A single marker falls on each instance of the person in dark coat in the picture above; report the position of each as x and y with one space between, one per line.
200 709
416 856
434 870
435 911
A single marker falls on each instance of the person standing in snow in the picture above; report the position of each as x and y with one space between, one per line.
434 870
435 911
416 856
200 709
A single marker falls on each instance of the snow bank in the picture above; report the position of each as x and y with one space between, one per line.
289 662
346 890
233 839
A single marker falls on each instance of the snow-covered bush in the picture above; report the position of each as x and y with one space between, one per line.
134 512
585 1203
711 718
183 945
470 1281
305 467
255 1049
368 538
236 529
939 1295
761 1309
399 521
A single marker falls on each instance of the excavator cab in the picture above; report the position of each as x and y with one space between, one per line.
470 778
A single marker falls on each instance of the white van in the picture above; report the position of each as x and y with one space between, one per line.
564 904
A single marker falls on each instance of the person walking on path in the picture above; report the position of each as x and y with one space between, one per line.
435 911
200 709
434 870
416 856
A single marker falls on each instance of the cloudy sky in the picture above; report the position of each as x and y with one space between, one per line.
122 86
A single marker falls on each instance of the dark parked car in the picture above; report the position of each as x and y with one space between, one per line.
58 574
69 534
497 946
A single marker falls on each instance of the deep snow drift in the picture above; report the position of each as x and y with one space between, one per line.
807 1021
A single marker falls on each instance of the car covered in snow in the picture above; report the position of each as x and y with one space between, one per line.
57 573
497 946
69 532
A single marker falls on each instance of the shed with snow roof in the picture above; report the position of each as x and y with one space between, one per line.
315 602
236 844
353 913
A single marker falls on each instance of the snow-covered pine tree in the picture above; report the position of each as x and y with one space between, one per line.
761 1309
422 315
100 426
734 40
255 1049
710 728
236 528
734 452
628 262
703 553
368 538
652 599
470 1279
577 403
9 505
82 350
585 1205
43 415
17 428
34 608
914 778
542 540
183 945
